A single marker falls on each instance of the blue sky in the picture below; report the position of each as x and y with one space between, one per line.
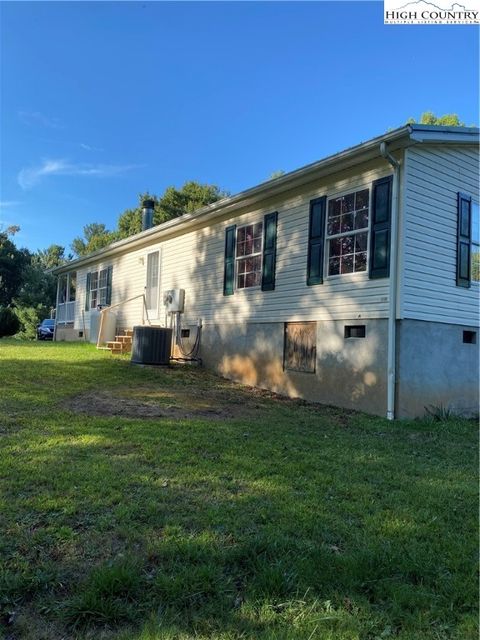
102 101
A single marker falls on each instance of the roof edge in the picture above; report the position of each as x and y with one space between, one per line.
407 134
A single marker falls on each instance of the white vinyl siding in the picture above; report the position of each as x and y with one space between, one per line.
194 261
434 176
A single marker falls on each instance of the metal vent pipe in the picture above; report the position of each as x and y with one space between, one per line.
147 214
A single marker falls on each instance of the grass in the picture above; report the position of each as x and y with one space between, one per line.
285 522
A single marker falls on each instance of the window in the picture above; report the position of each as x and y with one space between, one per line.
94 290
99 288
468 241
102 287
347 233
249 248
151 292
475 257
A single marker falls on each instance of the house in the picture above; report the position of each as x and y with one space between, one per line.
353 281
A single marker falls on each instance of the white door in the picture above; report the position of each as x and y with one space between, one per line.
152 286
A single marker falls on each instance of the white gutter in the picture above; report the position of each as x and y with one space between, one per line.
401 137
269 189
393 283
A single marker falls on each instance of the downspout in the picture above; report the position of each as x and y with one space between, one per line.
393 283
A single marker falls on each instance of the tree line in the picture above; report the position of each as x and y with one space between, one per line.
28 288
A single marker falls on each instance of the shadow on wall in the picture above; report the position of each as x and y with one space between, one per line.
238 344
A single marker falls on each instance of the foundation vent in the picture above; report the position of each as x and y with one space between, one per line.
470 337
355 331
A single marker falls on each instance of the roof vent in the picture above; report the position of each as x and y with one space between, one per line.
147 214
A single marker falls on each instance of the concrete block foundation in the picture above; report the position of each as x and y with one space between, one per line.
67 333
349 372
434 366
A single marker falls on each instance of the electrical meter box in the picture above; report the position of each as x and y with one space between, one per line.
174 300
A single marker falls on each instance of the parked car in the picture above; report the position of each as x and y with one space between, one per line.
45 329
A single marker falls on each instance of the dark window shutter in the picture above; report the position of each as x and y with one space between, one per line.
381 212
229 267
269 251
87 293
108 300
316 240
464 239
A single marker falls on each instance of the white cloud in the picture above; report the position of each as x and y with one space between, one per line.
88 147
30 176
7 204
37 118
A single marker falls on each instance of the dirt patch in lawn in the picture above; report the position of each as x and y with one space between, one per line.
175 402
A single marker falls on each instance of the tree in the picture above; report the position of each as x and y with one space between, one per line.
192 196
277 174
173 203
9 323
448 120
95 237
27 288
53 256
12 264
38 287
130 221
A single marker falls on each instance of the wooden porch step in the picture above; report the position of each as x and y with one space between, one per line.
113 344
122 343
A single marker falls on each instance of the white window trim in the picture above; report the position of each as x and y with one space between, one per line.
154 313
98 289
252 255
105 288
355 275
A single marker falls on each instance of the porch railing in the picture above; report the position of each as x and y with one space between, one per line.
119 304
66 313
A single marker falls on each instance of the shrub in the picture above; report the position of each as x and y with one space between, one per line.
9 323
29 318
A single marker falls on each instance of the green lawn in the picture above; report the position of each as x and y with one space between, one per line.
143 504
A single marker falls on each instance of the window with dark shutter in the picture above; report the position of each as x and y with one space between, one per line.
316 235
229 266
464 239
269 251
347 233
109 286
87 293
380 230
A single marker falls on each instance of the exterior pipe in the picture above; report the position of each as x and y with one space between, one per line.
147 214
393 283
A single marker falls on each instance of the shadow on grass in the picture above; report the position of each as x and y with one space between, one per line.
302 523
